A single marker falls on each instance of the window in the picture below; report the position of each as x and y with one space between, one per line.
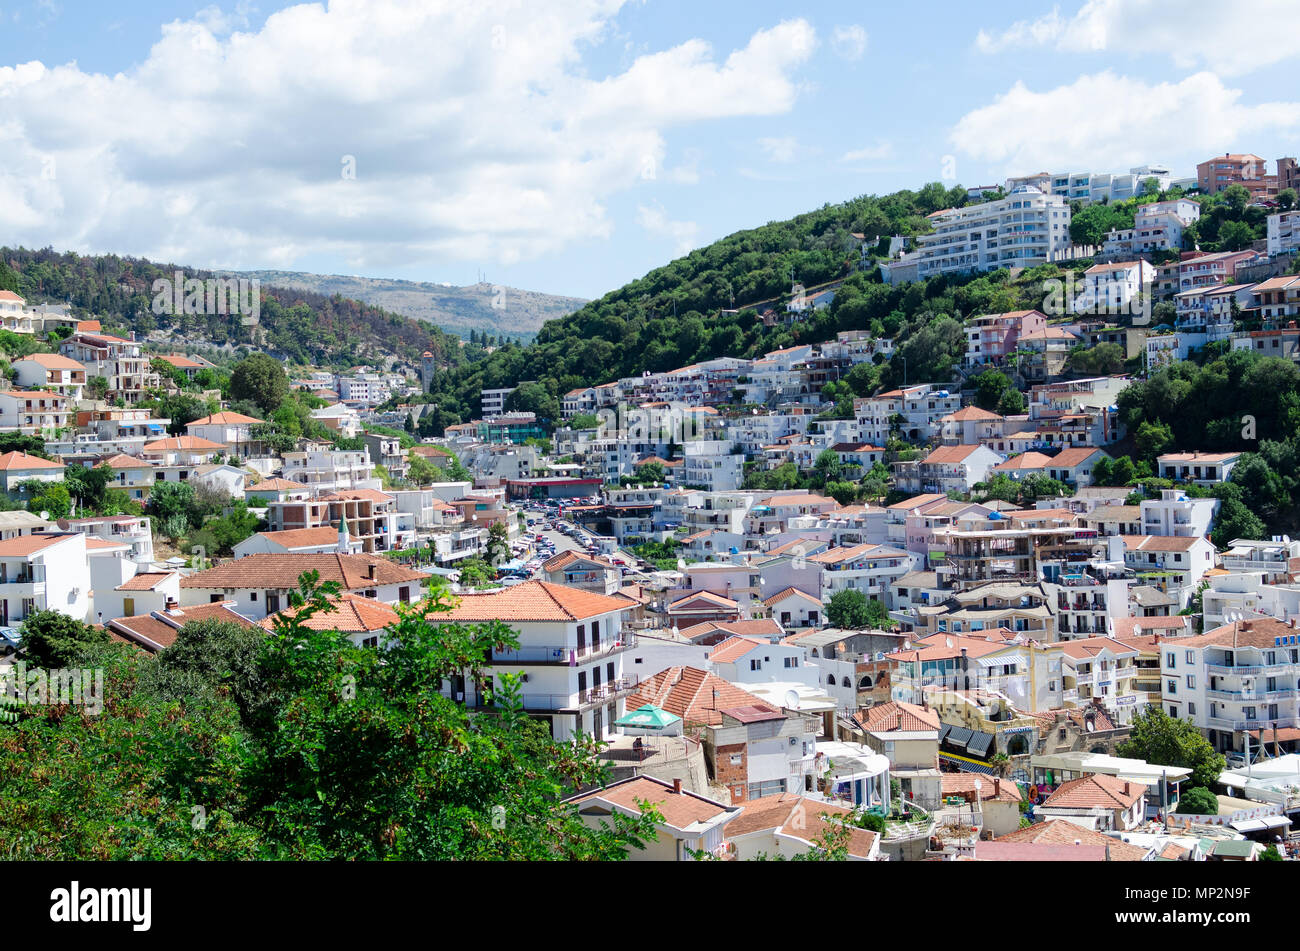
1186 656
1191 709
1171 659
1172 687
792 662
370 642
1191 682
755 664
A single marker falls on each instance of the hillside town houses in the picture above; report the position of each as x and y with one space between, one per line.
675 605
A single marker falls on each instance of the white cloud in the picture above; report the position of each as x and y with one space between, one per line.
781 150
476 133
1110 122
872 153
849 42
1192 33
654 219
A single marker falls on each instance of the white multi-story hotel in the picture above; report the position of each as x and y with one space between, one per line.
1024 229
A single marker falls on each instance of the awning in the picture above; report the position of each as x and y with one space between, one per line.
980 743
958 736
1249 825
1275 822
968 766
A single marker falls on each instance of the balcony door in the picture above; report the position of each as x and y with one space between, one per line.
598 723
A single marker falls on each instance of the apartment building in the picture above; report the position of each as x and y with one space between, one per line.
134 531
1211 310
119 361
326 471
231 430
44 571
1283 233
363 389
990 338
947 469
1156 227
1207 270
570 655
1177 515
1022 230
1219 173
33 412
1276 299
870 569
51 371
1203 468
712 465
492 402
915 410
1173 564
1242 676
1113 288
1089 597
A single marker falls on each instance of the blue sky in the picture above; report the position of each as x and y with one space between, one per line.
571 147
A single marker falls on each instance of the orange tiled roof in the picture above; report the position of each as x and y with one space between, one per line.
1096 791
897 715
534 601
693 694
270 570
350 614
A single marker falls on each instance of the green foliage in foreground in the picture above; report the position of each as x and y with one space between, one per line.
297 744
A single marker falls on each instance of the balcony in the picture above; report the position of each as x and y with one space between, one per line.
564 655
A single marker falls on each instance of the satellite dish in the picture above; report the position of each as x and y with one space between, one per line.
792 700
45 515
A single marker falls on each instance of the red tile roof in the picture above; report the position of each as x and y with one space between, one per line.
282 571
694 695
534 601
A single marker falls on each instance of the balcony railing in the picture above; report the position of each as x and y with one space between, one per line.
564 655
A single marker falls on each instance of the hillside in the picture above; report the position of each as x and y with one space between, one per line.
295 325
699 306
519 314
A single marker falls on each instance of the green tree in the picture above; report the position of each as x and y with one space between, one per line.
847 609
1153 438
498 547
54 640
261 379
1164 741
990 386
1198 801
1235 236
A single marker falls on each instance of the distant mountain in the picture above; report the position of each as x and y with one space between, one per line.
490 308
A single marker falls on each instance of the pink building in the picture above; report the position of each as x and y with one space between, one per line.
991 337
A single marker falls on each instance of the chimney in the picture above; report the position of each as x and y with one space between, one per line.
997 787
677 786
370 571
1126 787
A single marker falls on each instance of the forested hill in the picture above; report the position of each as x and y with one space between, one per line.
485 308
702 305
298 326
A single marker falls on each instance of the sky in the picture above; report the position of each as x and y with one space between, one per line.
571 146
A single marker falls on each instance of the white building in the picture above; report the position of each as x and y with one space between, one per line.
1241 676
44 572
1022 230
1284 232
570 653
